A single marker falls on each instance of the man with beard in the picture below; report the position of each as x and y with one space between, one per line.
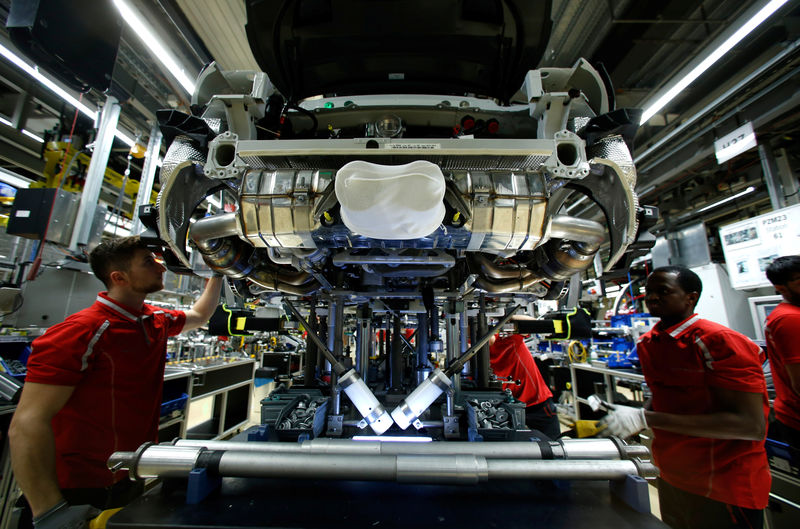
783 351
708 411
93 387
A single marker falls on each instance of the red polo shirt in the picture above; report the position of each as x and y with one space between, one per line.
782 332
114 357
510 357
681 364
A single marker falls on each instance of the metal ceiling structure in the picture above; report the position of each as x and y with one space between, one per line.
643 45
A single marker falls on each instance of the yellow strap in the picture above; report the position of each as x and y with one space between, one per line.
101 520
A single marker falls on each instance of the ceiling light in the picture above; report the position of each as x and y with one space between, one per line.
14 179
32 135
34 72
134 20
724 200
4 121
124 138
713 57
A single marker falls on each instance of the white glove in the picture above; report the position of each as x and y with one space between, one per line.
623 421
64 516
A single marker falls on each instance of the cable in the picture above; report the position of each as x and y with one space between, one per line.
313 130
576 357
17 306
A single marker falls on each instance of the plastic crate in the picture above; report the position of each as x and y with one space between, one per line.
317 424
174 405
516 414
783 457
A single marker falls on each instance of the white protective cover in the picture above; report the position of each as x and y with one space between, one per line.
391 201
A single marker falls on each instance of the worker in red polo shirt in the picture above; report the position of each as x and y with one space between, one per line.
513 363
783 335
93 387
708 411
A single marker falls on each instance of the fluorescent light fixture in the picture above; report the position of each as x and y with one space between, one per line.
32 135
124 138
724 200
713 57
34 72
392 438
135 21
14 179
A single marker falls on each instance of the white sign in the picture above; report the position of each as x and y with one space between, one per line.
735 143
751 245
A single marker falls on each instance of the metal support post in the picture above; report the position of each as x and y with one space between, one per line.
453 344
148 177
331 337
472 329
433 323
791 191
310 364
483 356
335 324
450 419
363 340
463 330
96 173
422 367
769 168
396 371
575 288
323 335
387 359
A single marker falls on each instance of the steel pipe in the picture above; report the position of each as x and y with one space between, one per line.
154 461
595 449
216 227
498 272
507 285
577 229
217 239
573 469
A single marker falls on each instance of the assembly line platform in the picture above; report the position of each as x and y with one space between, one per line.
307 504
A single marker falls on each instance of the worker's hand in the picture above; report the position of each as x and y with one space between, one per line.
623 421
65 516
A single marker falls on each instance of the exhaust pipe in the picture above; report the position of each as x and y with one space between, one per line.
217 238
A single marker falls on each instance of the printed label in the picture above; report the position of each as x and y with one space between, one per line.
401 146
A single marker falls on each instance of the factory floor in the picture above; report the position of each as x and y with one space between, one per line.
255 419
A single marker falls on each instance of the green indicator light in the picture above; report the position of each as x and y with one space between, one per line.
328 105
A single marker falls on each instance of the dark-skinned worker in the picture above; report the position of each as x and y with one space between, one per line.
93 387
783 351
708 411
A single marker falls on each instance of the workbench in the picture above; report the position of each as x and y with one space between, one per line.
249 502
